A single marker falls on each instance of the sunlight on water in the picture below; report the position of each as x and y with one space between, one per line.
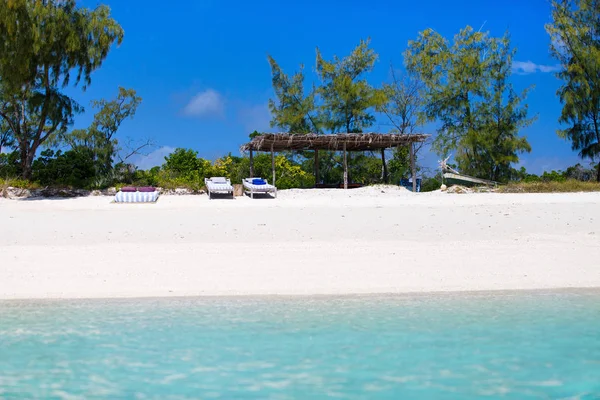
446 346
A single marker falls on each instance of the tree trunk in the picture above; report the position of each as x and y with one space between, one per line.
345 168
26 162
316 167
413 170
273 165
384 170
598 174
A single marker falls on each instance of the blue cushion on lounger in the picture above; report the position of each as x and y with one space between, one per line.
258 182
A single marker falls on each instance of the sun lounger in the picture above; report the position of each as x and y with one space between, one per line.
218 185
252 186
136 197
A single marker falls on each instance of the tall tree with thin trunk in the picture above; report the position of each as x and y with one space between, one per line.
404 110
575 42
462 78
100 137
292 110
42 43
347 98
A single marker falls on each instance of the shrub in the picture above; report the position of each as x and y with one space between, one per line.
71 168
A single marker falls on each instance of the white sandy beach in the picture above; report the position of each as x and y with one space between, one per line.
369 240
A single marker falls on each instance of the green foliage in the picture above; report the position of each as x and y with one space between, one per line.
71 168
41 45
183 168
292 110
399 164
469 94
6 137
346 94
9 165
100 136
404 102
575 42
431 184
575 172
18 183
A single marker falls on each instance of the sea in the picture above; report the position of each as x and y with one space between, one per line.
504 345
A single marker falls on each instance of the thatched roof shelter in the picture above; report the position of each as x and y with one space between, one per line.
274 142
334 142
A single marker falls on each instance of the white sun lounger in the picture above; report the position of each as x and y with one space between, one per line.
251 188
218 185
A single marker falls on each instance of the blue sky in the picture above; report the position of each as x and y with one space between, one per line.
202 71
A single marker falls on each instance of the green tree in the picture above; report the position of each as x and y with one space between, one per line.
469 95
404 107
292 111
41 44
100 137
575 42
347 97
71 168
502 117
404 102
182 161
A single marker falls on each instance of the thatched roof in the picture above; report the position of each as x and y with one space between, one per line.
312 141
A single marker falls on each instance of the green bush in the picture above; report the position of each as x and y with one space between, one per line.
71 168
431 184
9 165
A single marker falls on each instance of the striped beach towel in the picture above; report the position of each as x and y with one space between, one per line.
136 197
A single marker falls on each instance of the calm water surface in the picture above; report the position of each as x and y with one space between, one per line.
521 345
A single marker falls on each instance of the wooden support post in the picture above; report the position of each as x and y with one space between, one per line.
345 168
384 167
273 165
316 167
251 165
413 171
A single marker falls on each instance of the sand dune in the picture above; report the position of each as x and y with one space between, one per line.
370 240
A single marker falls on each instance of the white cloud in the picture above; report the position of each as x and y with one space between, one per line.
154 159
529 67
255 117
205 104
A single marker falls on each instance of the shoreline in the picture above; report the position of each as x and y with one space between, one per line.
457 294
305 243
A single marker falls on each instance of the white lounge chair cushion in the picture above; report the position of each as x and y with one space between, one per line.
218 179
219 187
258 188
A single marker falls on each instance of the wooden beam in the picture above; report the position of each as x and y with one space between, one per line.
251 165
345 168
316 167
384 167
273 165
413 170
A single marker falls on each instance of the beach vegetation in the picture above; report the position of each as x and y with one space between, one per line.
469 95
575 43
560 186
43 50
99 138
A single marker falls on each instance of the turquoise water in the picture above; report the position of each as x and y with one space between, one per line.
538 345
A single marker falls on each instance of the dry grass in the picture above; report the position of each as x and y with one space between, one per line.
567 186
18 183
